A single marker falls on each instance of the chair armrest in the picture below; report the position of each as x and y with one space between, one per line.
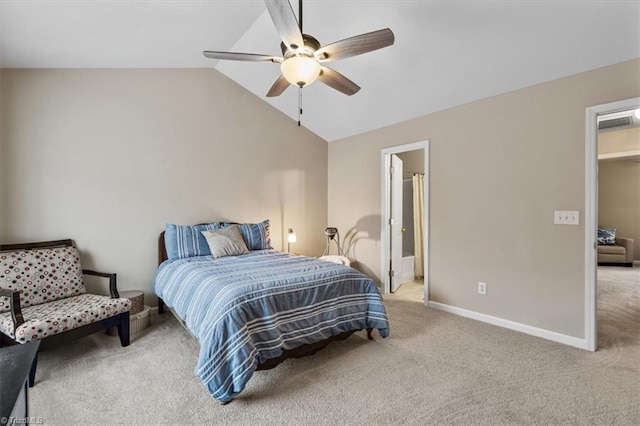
113 284
627 243
14 302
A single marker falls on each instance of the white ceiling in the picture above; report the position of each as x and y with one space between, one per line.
446 53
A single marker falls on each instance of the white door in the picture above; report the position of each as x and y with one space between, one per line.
396 222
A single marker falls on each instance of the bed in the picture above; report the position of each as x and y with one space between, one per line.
252 311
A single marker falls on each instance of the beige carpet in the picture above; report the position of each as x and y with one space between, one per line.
436 368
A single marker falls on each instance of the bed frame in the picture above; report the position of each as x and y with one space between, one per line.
300 351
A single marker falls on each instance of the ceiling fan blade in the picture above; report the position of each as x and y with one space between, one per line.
356 45
338 81
286 23
278 87
234 56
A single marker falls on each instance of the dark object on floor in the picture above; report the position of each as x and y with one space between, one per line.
17 363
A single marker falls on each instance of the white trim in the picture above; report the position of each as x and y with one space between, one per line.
591 212
590 224
386 200
384 224
425 224
512 325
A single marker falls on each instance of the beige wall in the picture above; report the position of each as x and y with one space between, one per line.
107 157
619 199
499 167
412 161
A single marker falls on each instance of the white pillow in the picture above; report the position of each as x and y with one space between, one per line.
341 260
225 242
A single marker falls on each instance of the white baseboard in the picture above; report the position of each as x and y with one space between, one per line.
511 325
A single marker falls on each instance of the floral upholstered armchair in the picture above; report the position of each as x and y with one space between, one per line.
43 297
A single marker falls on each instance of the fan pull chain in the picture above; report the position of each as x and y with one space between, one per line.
299 106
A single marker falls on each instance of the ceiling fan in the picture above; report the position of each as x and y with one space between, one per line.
303 57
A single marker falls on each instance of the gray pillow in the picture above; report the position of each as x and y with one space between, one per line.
225 242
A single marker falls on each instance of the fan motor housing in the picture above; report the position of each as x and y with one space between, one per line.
311 44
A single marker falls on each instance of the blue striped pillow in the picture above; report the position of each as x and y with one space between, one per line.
187 241
255 235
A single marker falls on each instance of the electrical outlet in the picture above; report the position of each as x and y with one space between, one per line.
482 287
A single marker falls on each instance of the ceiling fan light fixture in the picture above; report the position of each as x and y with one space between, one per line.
303 56
300 70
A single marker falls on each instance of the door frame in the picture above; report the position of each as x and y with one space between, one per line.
591 212
395 167
385 229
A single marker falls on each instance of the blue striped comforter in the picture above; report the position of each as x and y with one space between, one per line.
247 309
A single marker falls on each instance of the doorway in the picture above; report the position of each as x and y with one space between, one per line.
593 116
403 258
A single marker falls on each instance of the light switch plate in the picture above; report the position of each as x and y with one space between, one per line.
566 217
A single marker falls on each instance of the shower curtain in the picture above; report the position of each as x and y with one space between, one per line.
418 215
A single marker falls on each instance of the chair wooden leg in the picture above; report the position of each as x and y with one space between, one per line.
32 372
123 329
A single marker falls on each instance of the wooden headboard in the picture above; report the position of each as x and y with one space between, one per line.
162 249
44 244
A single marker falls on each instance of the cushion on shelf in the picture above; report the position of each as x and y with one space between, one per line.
61 315
41 275
187 240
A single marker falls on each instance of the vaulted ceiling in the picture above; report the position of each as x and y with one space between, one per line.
446 53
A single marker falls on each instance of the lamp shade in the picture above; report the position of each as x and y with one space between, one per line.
291 236
300 70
